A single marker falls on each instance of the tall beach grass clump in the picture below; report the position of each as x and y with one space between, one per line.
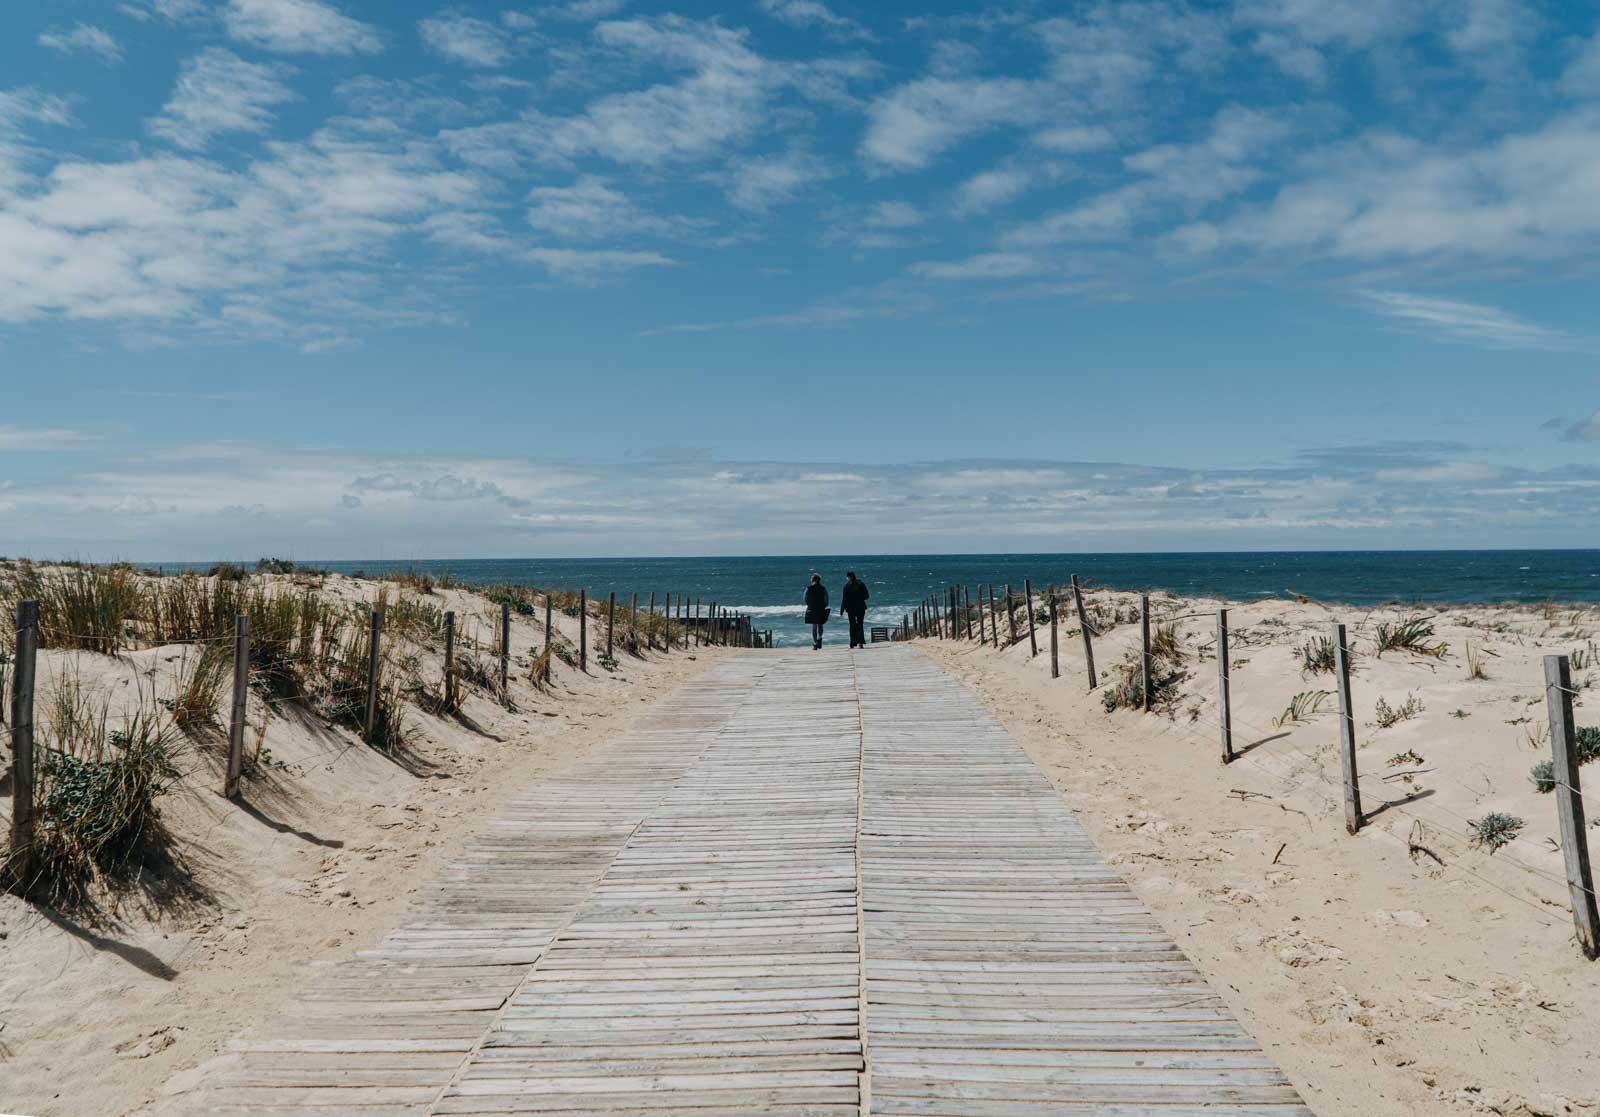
99 777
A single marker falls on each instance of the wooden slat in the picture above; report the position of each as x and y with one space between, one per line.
808 881
1008 969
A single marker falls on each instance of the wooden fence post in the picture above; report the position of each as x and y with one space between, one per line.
583 630
1055 656
374 649
697 634
1569 804
650 637
1224 694
549 653
1011 617
1083 627
1144 652
241 695
1033 640
666 618
449 661
966 595
611 625
1347 732
505 649
633 626
22 790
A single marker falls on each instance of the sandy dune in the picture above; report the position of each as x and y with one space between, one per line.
1400 971
96 1015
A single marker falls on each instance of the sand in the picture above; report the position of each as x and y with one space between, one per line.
96 1015
1400 971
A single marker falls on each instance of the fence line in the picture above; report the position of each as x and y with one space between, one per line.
1579 877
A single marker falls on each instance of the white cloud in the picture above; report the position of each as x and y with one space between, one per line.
299 27
219 92
1075 139
20 108
990 189
464 39
724 99
1173 176
171 10
761 182
1110 55
479 233
813 13
590 209
261 501
909 127
1471 322
1582 76
1524 196
587 266
14 439
1584 430
895 215
289 248
86 38
989 265
574 11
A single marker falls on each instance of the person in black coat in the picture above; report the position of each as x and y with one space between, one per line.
854 602
816 609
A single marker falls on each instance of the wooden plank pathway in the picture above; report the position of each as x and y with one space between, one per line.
811 885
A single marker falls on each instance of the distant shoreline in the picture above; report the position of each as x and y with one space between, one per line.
770 586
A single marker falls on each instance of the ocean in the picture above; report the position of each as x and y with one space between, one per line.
769 588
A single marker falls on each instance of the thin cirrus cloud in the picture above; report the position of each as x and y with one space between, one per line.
83 38
299 27
1468 322
15 439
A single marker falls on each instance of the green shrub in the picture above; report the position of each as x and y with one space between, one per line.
1303 707
1126 690
1495 830
98 782
1387 715
1317 656
1543 775
1588 743
1414 635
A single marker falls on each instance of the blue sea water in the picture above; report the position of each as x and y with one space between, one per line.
769 588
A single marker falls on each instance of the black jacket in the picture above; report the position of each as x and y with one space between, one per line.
854 598
816 603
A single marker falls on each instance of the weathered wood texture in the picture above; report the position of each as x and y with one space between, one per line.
1009 970
814 885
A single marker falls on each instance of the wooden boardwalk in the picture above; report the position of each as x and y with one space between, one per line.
809 885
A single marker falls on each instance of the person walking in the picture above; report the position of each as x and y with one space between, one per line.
816 609
853 600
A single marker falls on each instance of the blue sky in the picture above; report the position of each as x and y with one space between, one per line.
348 279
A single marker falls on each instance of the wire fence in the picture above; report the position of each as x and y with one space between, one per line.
356 667
1144 678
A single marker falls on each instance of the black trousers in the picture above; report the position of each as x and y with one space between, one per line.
858 633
